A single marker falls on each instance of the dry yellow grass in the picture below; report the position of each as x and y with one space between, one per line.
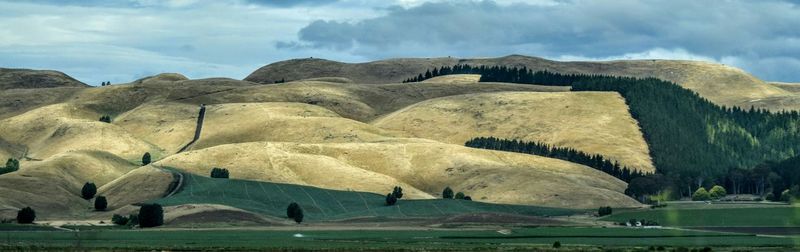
139 185
455 78
26 78
719 83
311 132
168 125
52 186
421 168
593 122
64 127
281 122
790 87
361 102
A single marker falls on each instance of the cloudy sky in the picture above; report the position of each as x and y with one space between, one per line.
119 41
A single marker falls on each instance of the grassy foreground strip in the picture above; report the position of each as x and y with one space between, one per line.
383 239
782 216
321 204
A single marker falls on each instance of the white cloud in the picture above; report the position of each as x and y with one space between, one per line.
119 40
655 53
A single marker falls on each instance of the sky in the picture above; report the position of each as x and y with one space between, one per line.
120 41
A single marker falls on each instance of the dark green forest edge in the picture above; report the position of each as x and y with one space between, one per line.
595 161
694 143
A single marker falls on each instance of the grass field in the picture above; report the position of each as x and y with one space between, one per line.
271 199
717 216
523 239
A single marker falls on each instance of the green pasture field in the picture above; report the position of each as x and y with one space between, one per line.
523 239
716 216
318 204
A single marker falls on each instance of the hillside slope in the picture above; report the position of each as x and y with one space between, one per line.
721 84
423 169
11 78
318 204
309 132
61 128
593 122
53 186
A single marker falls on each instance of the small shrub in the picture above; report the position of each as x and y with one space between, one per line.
88 191
447 193
100 203
603 211
146 159
219 173
26 215
391 199
119 220
468 198
12 165
151 215
398 192
105 119
557 244
701 195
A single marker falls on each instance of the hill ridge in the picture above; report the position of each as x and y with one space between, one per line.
16 78
722 84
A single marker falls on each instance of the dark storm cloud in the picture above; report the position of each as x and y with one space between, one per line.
744 33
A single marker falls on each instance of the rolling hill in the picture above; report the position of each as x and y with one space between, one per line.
53 185
337 126
11 78
422 168
721 84
599 122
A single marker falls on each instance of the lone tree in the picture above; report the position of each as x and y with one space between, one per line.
398 192
290 210
26 215
151 215
701 195
717 192
447 193
295 212
100 203
219 173
89 190
146 158
391 199
105 119
460 195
